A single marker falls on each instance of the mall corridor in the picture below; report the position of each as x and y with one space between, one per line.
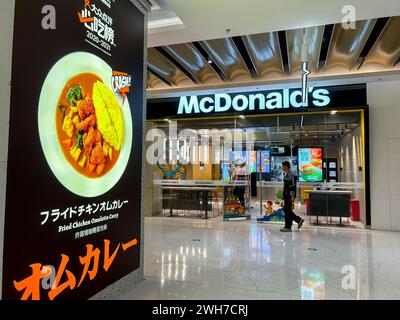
216 151
197 259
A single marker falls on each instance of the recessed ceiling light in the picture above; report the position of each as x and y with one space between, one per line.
210 61
333 111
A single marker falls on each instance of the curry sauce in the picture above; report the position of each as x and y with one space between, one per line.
76 126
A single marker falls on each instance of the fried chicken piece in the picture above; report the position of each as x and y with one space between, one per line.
89 122
97 136
97 155
92 137
87 146
85 107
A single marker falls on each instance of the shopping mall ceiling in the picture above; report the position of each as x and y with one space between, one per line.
372 47
181 21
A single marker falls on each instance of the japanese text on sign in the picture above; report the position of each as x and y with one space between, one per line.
31 286
99 27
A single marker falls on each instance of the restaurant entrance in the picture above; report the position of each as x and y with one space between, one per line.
231 167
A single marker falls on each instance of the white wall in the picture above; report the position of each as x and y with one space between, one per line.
350 159
384 101
6 30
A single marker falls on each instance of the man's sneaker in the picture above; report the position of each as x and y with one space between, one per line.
286 230
300 224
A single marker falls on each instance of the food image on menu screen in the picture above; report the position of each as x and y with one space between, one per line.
85 128
310 165
89 125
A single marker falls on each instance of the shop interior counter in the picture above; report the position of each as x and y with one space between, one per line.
330 203
196 198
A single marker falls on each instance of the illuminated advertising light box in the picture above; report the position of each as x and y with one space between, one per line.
73 203
253 161
310 165
277 172
264 162
243 162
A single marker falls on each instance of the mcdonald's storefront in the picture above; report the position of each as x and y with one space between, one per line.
219 155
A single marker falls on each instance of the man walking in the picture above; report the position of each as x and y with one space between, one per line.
289 195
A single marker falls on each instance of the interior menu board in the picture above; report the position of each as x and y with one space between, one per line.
73 203
310 165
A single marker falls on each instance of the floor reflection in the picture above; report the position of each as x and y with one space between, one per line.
187 259
312 284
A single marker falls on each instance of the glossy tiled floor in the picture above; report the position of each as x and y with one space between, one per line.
197 259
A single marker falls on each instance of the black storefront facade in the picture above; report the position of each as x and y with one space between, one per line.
332 121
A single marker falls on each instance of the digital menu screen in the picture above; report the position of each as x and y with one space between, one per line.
276 150
252 161
310 165
243 162
246 158
263 160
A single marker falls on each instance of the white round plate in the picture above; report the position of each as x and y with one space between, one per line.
65 69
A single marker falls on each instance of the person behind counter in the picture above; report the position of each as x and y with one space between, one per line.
289 195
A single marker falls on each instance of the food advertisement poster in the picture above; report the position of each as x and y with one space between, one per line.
248 158
263 160
73 204
310 165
